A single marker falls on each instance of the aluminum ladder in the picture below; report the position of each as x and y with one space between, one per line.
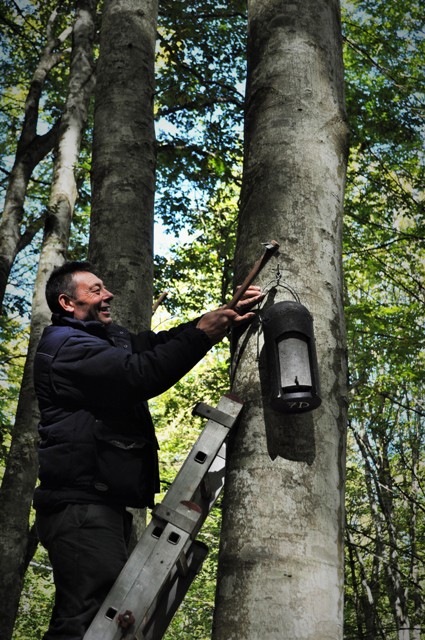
162 566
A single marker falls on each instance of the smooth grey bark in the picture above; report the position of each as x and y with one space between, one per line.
124 157
123 173
22 465
280 572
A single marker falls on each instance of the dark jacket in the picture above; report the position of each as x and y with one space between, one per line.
92 381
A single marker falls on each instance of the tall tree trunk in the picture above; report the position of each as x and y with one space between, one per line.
21 470
124 156
281 556
31 149
123 177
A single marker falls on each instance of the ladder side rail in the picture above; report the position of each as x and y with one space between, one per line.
143 592
156 541
167 605
197 464
203 452
208 491
141 600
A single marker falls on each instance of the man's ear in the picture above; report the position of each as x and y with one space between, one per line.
66 303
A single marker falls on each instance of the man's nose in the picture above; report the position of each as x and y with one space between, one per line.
107 295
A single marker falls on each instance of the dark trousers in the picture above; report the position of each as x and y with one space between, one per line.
87 546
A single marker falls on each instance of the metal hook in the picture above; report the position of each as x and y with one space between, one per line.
277 283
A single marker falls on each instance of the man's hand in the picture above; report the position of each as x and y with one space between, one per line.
250 298
217 324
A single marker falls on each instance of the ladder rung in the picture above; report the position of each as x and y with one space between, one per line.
186 521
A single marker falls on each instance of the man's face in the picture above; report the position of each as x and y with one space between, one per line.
91 299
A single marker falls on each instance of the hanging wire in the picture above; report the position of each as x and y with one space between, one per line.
273 284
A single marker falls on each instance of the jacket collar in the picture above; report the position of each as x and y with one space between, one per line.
112 332
94 327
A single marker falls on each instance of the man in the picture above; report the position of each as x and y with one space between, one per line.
98 450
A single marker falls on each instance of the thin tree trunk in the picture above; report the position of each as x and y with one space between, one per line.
281 557
366 593
124 156
417 597
379 483
370 610
31 149
21 470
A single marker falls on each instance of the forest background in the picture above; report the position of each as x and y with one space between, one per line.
200 77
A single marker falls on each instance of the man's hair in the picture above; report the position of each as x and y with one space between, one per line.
61 281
